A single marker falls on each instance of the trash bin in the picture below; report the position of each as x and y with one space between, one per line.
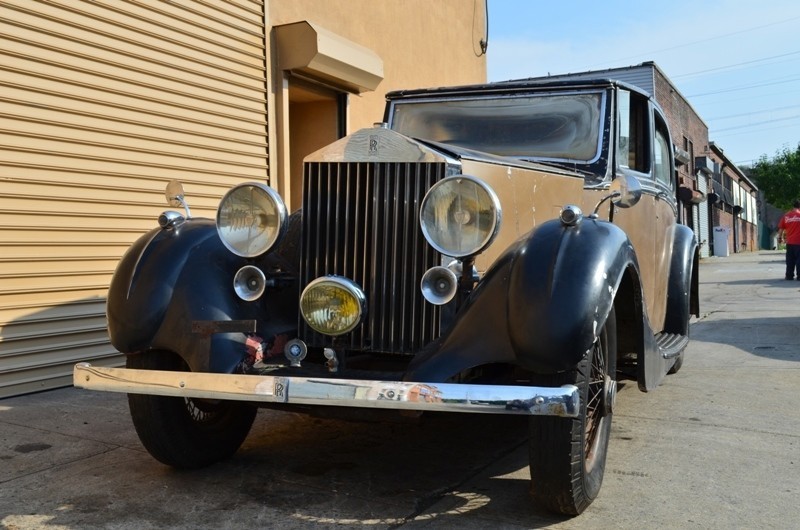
721 241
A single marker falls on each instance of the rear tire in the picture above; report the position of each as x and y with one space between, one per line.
568 455
181 432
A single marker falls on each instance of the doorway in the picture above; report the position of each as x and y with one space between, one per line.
317 117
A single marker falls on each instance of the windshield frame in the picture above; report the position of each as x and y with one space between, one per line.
596 165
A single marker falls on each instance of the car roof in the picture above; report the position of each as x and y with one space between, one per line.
534 84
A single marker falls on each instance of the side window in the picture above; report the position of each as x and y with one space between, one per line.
662 169
633 145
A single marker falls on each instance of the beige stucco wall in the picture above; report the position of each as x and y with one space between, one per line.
105 102
422 42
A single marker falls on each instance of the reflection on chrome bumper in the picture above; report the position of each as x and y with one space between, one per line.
401 395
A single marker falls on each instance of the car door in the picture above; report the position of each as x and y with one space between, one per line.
665 214
644 152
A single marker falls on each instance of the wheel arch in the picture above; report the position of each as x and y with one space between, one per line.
629 308
587 269
683 286
171 279
541 304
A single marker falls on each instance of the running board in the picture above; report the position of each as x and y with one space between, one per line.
671 345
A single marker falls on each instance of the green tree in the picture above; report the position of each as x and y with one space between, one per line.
779 177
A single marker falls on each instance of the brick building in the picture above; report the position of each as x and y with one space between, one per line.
702 168
732 205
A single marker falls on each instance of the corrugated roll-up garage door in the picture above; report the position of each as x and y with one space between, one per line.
101 104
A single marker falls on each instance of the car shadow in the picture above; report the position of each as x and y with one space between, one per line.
439 464
776 282
768 336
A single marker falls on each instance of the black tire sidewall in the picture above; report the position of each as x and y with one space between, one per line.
168 430
560 480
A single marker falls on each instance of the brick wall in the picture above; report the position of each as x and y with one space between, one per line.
688 130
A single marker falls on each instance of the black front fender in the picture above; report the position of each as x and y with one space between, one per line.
562 288
541 305
144 281
171 279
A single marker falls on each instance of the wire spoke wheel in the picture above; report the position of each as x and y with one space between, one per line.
594 402
567 455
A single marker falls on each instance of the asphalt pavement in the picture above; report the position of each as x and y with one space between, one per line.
717 445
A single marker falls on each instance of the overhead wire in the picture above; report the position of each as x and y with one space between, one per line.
744 87
736 65
729 116
699 41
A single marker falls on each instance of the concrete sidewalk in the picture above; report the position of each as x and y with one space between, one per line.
716 446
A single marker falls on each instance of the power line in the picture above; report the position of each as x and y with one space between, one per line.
744 87
720 102
756 123
750 113
751 131
650 53
730 66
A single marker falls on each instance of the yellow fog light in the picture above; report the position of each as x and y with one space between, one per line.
333 305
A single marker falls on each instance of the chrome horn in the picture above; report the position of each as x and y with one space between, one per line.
249 283
439 285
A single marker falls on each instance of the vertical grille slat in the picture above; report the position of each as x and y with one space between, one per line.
428 254
405 224
360 220
327 257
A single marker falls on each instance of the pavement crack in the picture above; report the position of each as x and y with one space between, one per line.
704 316
706 424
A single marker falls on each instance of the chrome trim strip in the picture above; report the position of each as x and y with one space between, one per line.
446 397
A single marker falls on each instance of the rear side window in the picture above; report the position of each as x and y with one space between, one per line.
662 168
634 131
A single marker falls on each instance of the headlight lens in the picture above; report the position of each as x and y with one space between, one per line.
460 216
333 305
251 219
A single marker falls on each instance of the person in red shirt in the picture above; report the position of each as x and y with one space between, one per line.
789 231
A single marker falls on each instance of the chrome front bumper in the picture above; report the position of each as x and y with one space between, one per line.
446 397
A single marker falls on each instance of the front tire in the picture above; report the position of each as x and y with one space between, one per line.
568 455
181 432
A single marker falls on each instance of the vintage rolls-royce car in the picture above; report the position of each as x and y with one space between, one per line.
507 248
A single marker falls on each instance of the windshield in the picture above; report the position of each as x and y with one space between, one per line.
558 127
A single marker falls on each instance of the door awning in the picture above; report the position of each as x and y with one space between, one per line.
311 51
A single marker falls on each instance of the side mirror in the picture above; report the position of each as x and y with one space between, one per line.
174 193
175 197
626 190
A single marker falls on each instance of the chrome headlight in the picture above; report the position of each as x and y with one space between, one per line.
333 305
251 219
460 216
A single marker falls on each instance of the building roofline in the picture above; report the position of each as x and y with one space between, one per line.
606 73
717 150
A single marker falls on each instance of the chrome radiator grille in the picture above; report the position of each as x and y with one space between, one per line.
361 221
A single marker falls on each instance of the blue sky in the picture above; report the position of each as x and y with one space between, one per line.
737 62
